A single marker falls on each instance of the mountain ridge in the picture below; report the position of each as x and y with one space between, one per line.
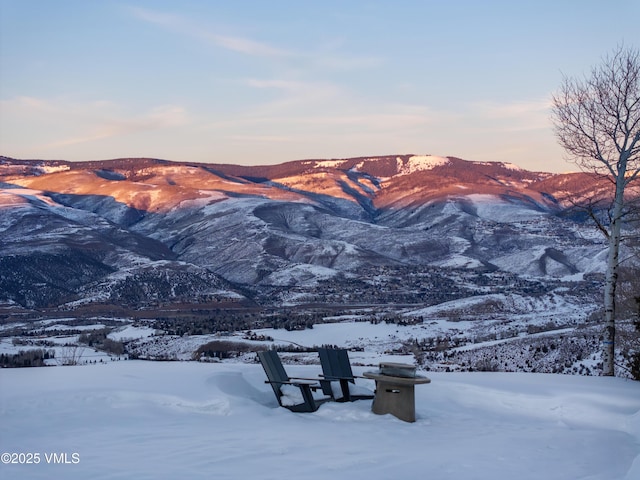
245 230
382 180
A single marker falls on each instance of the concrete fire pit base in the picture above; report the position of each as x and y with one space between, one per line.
395 395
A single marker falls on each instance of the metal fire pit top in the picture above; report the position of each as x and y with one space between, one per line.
403 370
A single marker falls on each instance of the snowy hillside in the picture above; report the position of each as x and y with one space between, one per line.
477 265
293 224
159 420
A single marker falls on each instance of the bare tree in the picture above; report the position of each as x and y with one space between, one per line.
70 355
597 122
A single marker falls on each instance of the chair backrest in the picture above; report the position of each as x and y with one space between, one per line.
335 363
273 368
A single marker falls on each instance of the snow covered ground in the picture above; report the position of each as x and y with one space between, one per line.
168 420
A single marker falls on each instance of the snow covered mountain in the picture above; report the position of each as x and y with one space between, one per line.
140 231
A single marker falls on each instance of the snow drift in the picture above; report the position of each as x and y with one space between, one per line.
145 420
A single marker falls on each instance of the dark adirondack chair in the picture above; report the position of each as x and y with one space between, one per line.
336 369
296 394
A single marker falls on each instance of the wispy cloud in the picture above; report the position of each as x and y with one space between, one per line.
186 26
335 61
296 94
263 138
512 116
513 109
331 59
329 112
280 84
248 46
89 121
162 117
322 104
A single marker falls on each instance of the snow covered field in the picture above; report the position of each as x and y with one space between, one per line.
167 420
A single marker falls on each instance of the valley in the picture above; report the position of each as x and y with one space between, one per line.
478 265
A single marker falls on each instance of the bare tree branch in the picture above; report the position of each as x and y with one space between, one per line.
597 122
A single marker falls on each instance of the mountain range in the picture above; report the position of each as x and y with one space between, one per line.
141 232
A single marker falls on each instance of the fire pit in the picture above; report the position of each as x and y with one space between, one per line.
395 390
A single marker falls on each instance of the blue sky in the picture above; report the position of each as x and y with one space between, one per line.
254 82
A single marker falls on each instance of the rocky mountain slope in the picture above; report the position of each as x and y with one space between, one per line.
140 232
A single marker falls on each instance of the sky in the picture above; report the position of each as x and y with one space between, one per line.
263 82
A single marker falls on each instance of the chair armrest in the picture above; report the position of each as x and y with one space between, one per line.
332 378
305 378
304 381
